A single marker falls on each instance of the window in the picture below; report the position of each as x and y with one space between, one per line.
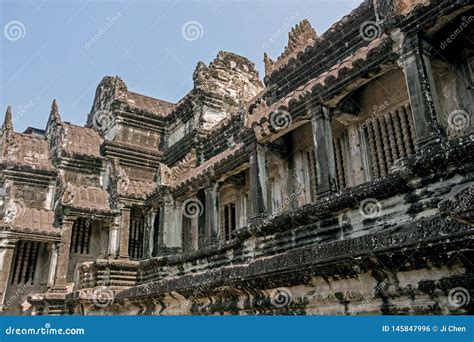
81 234
24 266
228 220
390 136
136 233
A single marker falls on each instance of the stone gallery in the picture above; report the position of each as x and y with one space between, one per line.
341 184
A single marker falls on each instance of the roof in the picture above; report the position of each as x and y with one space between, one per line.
28 149
220 158
139 188
303 39
31 219
262 111
85 197
34 130
81 140
150 104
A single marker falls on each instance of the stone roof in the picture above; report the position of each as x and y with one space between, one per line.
27 219
219 159
113 89
304 44
86 197
300 37
150 104
81 140
139 188
261 111
28 149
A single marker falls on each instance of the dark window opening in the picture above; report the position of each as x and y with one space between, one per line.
136 234
80 237
24 266
228 220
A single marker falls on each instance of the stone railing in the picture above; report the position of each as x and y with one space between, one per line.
110 273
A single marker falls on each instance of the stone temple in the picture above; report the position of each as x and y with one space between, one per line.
342 184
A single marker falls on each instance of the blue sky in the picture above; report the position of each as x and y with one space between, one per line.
62 49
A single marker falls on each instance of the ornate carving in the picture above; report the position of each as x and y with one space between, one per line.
119 178
12 149
411 124
405 130
300 37
170 175
398 133
68 194
391 136
11 211
379 147
386 144
373 151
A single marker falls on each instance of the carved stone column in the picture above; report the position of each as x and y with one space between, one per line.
63 256
421 89
53 262
149 234
7 247
211 234
258 184
114 229
170 226
124 233
324 150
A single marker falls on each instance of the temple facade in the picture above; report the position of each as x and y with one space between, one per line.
341 184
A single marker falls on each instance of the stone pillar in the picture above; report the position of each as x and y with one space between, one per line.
211 234
124 233
149 233
7 247
170 226
114 235
63 256
53 263
258 184
324 151
421 89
